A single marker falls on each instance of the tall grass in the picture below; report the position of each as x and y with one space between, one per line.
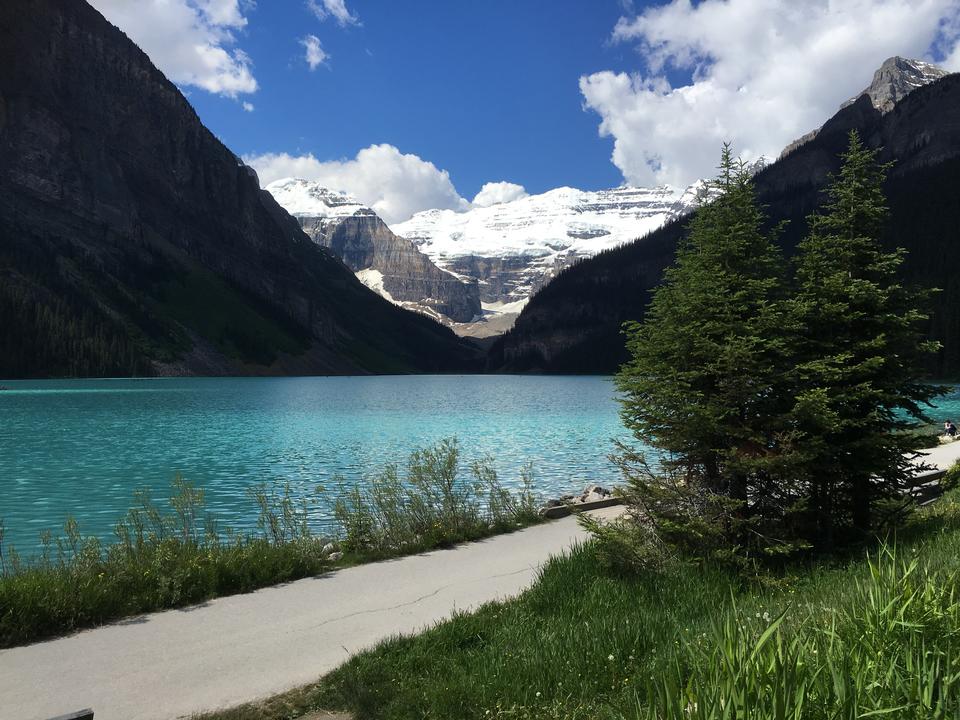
162 557
875 635
891 648
431 505
176 554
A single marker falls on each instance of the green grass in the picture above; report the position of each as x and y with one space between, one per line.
877 633
161 559
175 555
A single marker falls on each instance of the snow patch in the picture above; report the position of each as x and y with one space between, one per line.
373 279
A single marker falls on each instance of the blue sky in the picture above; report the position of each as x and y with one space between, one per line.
417 104
486 90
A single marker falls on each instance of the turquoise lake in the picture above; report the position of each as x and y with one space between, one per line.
81 447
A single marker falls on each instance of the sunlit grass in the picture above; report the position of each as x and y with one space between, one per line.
874 633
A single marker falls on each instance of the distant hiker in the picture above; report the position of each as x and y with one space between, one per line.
949 428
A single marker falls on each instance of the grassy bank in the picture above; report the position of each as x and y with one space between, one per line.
174 554
877 634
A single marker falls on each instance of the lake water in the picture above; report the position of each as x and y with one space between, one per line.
81 447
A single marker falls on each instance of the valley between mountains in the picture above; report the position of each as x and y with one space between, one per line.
112 235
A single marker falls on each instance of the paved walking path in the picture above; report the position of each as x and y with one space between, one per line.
944 456
246 647
241 648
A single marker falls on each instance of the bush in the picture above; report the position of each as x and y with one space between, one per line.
431 506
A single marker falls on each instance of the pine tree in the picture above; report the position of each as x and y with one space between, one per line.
705 385
862 349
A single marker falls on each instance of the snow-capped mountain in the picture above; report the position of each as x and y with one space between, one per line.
513 248
388 264
327 208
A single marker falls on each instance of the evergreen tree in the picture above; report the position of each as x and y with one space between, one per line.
860 353
706 382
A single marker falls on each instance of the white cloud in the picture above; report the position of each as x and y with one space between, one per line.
764 73
337 9
494 193
248 107
191 41
314 53
394 184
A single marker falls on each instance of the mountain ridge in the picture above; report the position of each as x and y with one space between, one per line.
134 242
514 248
896 78
573 324
362 240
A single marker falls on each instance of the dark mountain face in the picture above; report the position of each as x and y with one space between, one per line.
573 324
132 241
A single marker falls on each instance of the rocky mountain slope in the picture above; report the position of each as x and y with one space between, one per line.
573 324
514 248
389 264
133 242
896 78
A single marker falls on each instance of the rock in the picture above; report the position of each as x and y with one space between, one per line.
389 264
328 548
553 503
335 556
597 490
896 78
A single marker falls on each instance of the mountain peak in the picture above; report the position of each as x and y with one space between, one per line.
302 197
895 79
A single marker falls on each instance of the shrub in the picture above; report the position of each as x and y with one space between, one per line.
433 505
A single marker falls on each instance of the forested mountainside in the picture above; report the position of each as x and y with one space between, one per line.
573 324
132 241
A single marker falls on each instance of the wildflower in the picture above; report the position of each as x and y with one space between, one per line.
609 657
538 693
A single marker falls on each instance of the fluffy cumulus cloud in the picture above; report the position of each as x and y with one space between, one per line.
494 193
396 185
313 52
192 41
763 73
336 9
